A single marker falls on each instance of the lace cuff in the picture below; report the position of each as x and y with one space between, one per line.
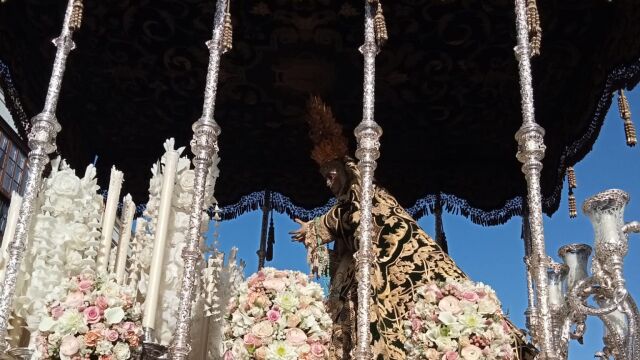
317 252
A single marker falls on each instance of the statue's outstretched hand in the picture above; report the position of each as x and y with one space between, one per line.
300 234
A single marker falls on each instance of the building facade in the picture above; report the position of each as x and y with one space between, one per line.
13 161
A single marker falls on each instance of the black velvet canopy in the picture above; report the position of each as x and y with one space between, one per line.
447 94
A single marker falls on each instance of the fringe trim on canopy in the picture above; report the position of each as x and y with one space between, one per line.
621 77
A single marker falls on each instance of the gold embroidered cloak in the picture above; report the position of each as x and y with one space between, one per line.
406 257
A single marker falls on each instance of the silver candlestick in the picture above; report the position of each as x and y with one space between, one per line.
531 151
204 146
368 133
42 142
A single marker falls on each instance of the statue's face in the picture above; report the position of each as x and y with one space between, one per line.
335 177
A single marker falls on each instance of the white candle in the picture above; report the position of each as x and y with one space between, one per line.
160 241
109 219
128 211
9 230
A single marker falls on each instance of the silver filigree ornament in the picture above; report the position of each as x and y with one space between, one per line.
42 142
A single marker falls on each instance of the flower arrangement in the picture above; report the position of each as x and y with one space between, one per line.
277 315
90 318
64 237
457 321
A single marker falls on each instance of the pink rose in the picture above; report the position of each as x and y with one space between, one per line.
274 284
296 337
128 326
111 335
92 337
261 353
432 354
85 286
293 320
450 304
56 312
470 296
262 301
416 324
74 299
92 314
450 355
317 350
69 345
251 299
251 340
102 302
98 326
228 355
273 315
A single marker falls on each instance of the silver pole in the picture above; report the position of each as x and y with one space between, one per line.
204 146
531 151
368 133
42 142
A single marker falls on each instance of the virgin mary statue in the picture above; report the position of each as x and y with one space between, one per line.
406 256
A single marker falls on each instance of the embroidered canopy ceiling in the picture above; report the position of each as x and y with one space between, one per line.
447 91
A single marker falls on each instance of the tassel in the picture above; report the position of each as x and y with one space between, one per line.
625 114
227 31
271 239
441 238
573 208
535 31
571 178
76 15
380 26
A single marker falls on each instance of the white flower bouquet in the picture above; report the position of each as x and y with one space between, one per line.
90 318
277 315
458 321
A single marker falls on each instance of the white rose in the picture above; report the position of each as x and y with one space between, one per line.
446 344
471 352
181 220
447 318
487 306
187 180
74 260
121 351
46 324
103 347
65 183
262 329
114 315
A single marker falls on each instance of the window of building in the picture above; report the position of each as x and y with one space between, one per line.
12 167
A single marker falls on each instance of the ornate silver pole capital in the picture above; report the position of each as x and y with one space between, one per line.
368 133
531 151
204 146
42 142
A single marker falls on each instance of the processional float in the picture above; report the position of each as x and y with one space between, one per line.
558 294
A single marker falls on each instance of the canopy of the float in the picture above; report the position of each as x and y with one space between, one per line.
447 92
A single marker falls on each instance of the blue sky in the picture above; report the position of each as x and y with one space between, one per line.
494 255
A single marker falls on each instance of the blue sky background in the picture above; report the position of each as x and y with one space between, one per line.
494 255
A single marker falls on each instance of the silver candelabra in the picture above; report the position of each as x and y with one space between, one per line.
570 287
